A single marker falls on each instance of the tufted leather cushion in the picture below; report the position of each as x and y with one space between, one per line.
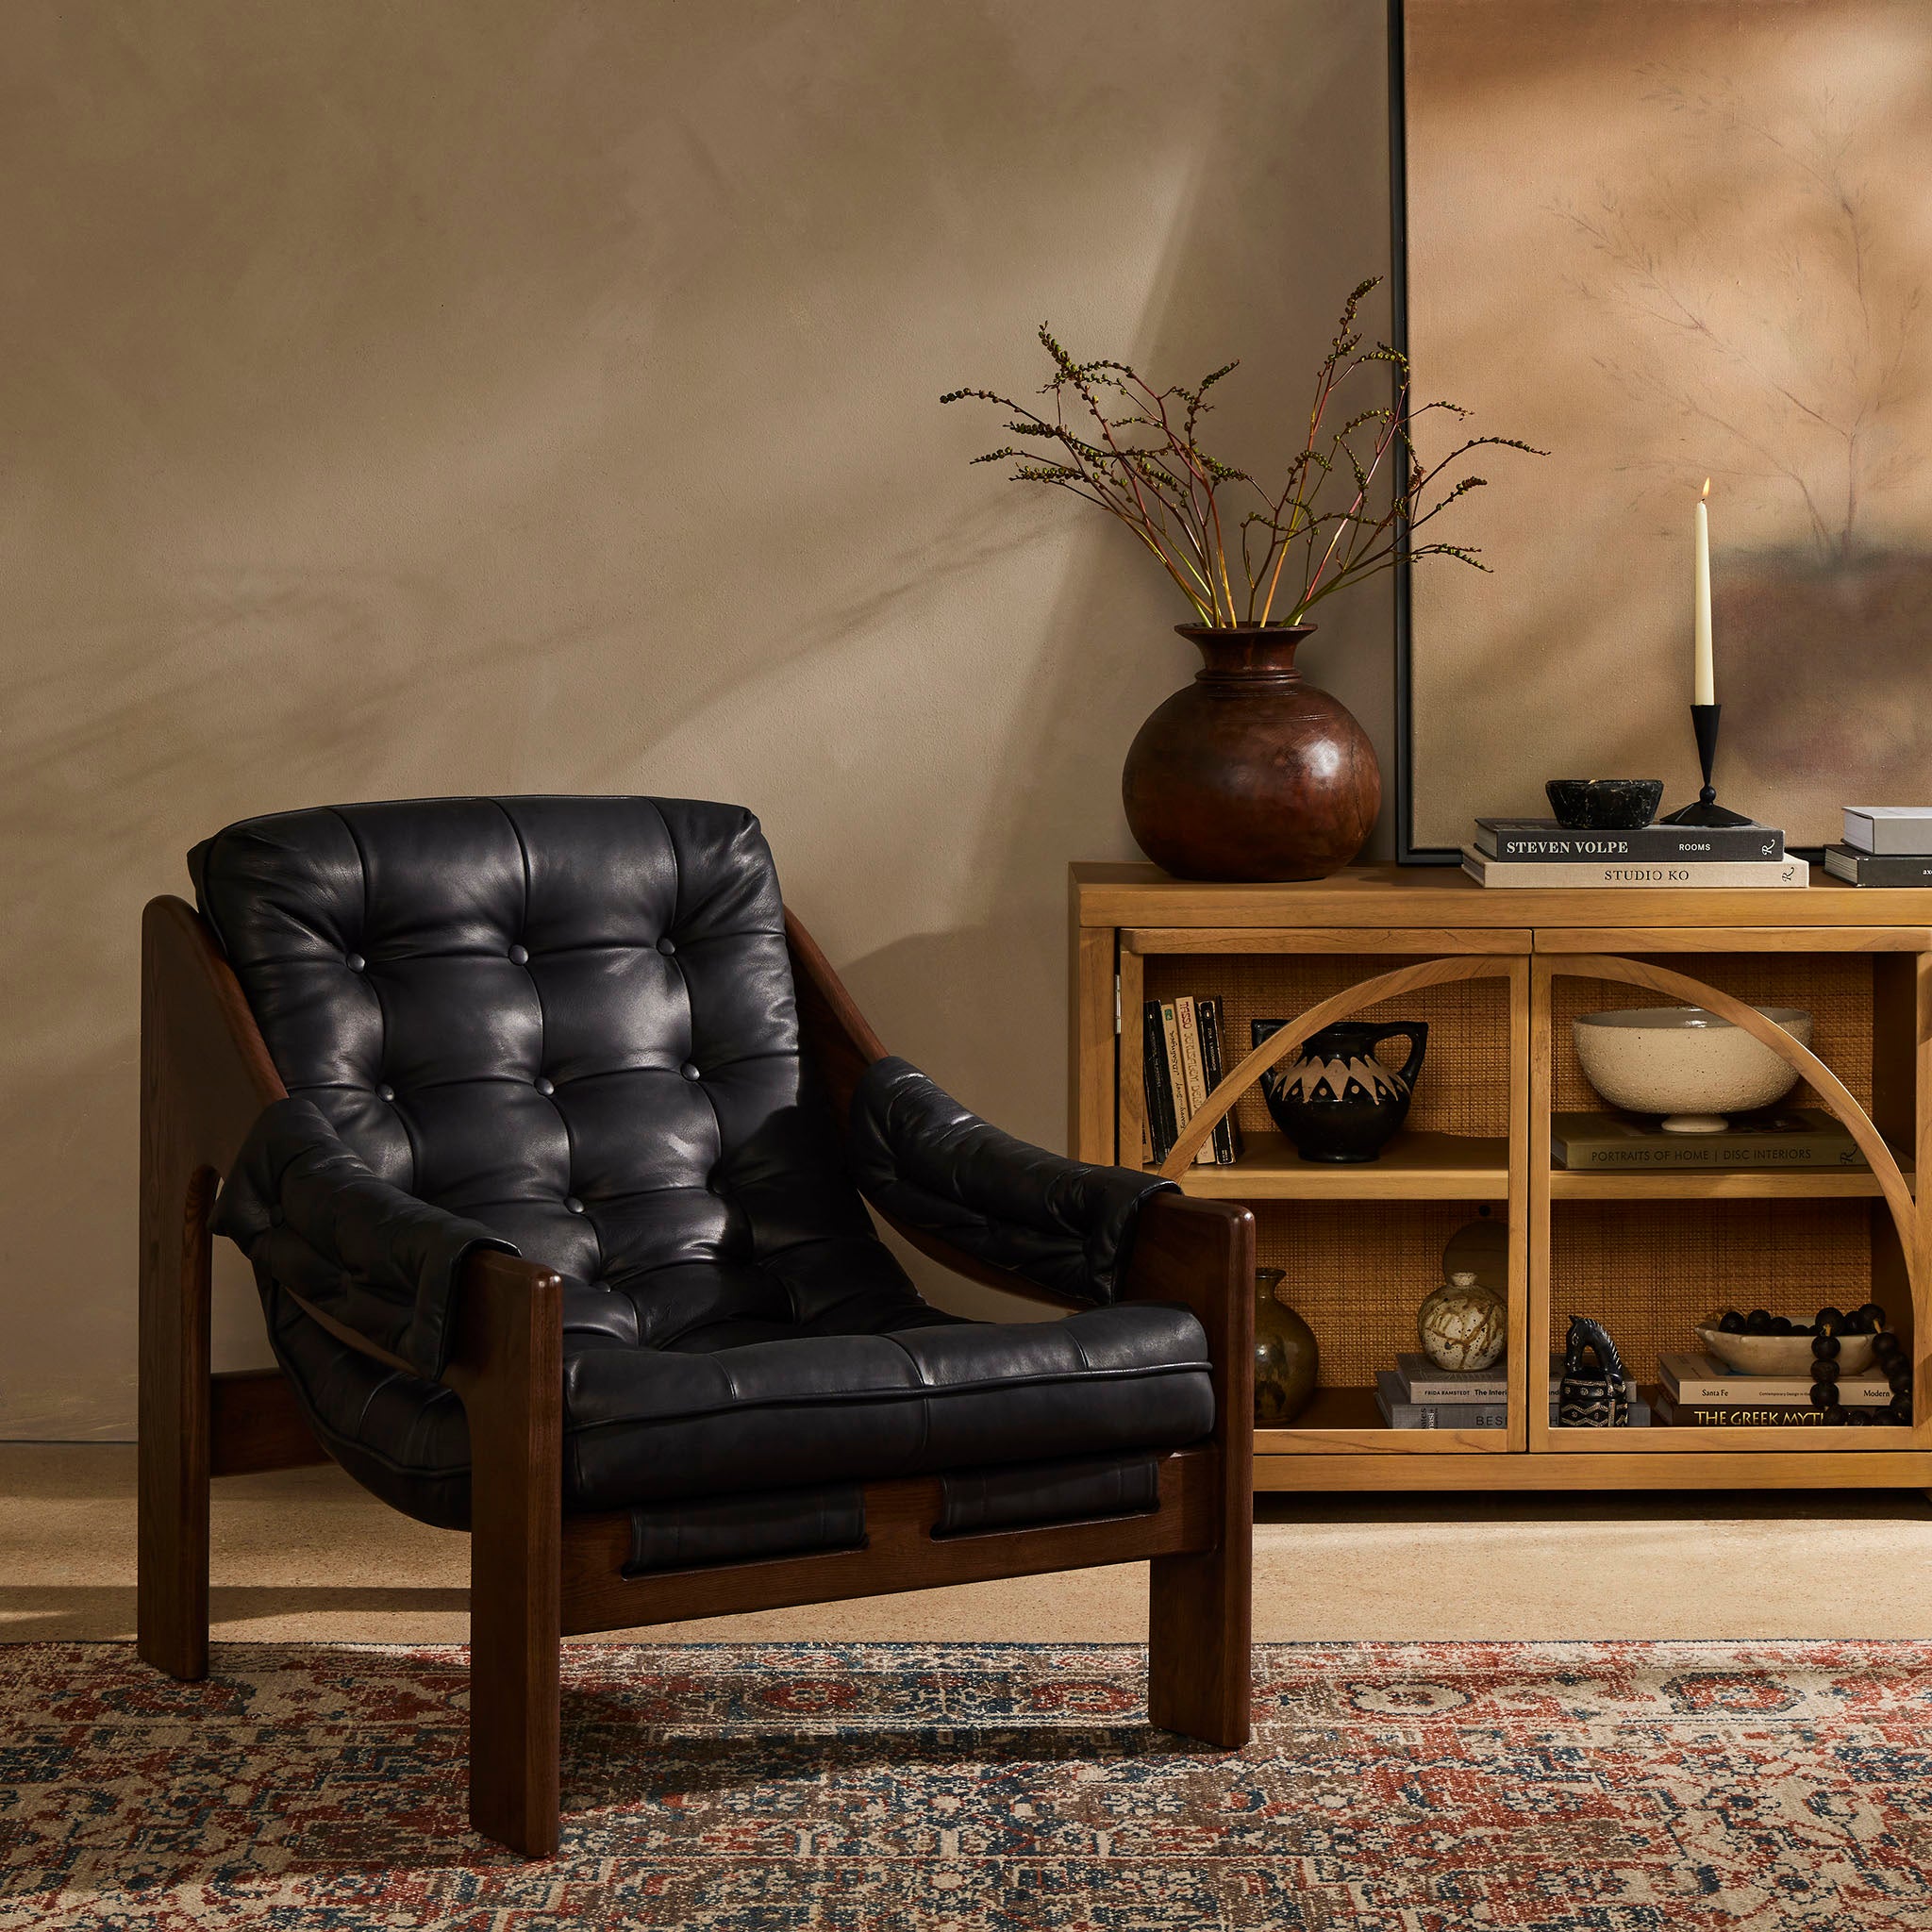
568 1023
570 1019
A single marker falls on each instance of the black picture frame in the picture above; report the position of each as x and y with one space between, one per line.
1407 851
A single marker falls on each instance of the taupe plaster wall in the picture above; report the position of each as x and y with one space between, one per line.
439 397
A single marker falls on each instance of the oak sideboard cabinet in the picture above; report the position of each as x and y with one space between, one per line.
1499 974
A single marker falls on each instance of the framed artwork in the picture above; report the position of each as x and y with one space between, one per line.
1666 241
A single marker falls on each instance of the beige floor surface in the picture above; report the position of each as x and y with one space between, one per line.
306 1554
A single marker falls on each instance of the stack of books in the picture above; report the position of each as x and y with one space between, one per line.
1182 1064
1883 845
1416 1394
1539 851
1774 1139
1697 1393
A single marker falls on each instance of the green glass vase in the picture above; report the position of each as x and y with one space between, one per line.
1286 1357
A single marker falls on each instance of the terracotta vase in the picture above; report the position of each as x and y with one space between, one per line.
1250 771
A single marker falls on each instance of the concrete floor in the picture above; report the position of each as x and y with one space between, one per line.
306 1554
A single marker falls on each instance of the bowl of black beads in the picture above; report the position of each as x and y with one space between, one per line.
1832 1344
1761 1343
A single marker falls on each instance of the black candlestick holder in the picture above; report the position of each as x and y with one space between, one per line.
1704 809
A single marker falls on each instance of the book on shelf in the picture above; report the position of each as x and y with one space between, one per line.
1227 1133
1177 1075
1879 869
1545 840
1672 1414
1417 1380
1180 1065
1699 1382
1889 830
1186 1031
1401 1407
1401 1414
1775 1138
1766 874
1421 1380
1157 1102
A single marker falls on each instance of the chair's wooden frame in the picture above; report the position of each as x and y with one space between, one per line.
537 1575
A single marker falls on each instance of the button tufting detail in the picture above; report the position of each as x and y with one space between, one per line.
573 1204
518 956
385 1093
355 962
544 1086
667 945
690 1071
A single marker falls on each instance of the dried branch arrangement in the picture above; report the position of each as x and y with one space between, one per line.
1134 450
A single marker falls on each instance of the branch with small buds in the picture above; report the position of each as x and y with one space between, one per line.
1150 471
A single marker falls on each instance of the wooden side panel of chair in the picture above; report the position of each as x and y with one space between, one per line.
507 1367
1201 1604
1198 1252
900 1553
205 1075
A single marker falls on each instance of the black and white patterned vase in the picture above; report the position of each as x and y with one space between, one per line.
1336 1100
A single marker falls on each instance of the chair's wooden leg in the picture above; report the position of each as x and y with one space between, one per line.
1199 1628
510 1376
1200 1607
205 1075
171 1508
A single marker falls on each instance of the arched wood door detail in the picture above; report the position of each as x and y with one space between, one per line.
1366 993
1629 972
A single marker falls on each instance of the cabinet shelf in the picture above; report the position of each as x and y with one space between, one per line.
1734 1184
1340 1421
1413 1167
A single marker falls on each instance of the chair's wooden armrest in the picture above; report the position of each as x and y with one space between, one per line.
1202 1253
510 1329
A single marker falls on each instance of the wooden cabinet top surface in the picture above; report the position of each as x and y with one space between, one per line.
1116 894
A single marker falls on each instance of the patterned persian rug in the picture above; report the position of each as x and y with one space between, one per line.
1390 1787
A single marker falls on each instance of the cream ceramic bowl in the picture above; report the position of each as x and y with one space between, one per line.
1685 1063
1783 1354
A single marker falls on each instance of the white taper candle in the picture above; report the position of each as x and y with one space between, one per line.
1703 678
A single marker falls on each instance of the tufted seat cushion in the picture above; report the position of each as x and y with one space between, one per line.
570 1022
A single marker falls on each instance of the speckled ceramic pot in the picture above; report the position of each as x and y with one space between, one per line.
1463 1325
1685 1063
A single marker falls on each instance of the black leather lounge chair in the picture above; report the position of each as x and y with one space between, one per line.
547 1130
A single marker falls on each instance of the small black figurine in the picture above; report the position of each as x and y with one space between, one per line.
1592 1395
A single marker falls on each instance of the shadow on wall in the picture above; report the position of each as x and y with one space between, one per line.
555 407
987 1002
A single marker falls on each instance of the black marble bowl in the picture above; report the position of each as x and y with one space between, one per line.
1604 805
